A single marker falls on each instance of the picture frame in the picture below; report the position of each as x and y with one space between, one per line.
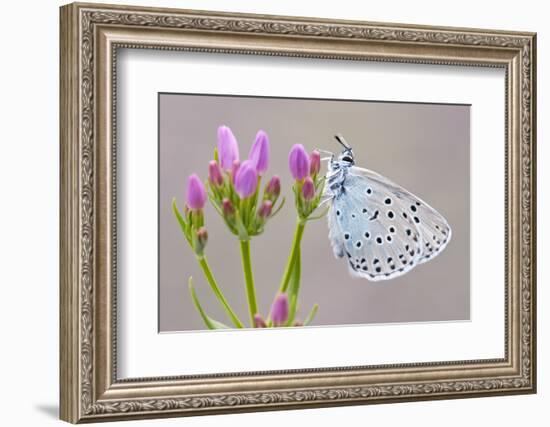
91 37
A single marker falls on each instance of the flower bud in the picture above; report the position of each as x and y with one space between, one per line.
279 309
235 169
227 207
308 189
246 180
259 153
202 238
215 173
298 162
228 148
259 322
273 189
265 209
196 194
315 163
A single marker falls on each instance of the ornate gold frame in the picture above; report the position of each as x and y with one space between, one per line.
90 36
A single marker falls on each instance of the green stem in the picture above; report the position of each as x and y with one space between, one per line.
215 288
298 233
249 279
294 287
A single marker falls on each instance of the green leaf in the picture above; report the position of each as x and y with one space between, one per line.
216 156
213 192
179 217
281 204
216 206
208 321
311 314
183 224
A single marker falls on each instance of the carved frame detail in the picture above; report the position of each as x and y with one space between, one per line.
90 390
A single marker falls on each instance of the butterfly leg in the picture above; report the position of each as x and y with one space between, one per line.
328 198
320 150
329 157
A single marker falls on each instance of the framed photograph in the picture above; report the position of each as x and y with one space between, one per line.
266 212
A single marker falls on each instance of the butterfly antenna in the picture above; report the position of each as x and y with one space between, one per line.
342 141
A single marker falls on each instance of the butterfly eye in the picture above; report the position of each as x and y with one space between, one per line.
347 159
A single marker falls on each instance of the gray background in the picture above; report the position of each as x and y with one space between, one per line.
423 147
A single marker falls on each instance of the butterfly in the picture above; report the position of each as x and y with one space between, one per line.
382 229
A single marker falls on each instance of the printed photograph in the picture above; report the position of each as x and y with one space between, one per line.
288 212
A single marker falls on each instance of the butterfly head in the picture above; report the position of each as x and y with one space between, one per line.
338 167
346 157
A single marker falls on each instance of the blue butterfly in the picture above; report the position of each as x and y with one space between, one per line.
383 230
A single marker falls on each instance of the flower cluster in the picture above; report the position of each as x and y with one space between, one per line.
234 190
234 187
308 186
192 220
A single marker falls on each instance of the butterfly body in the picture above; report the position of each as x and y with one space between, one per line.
381 229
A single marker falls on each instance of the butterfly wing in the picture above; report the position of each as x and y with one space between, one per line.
434 229
382 229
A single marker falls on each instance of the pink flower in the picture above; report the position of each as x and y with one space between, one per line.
259 153
298 162
265 209
228 148
315 160
308 189
273 188
246 180
227 207
215 173
259 322
279 309
196 194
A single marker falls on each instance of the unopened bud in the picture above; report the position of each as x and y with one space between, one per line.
215 173
265 209
273 188
298 162
196 194
227 207
308 189
314 163
259 322
246 180
202 238
279 309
